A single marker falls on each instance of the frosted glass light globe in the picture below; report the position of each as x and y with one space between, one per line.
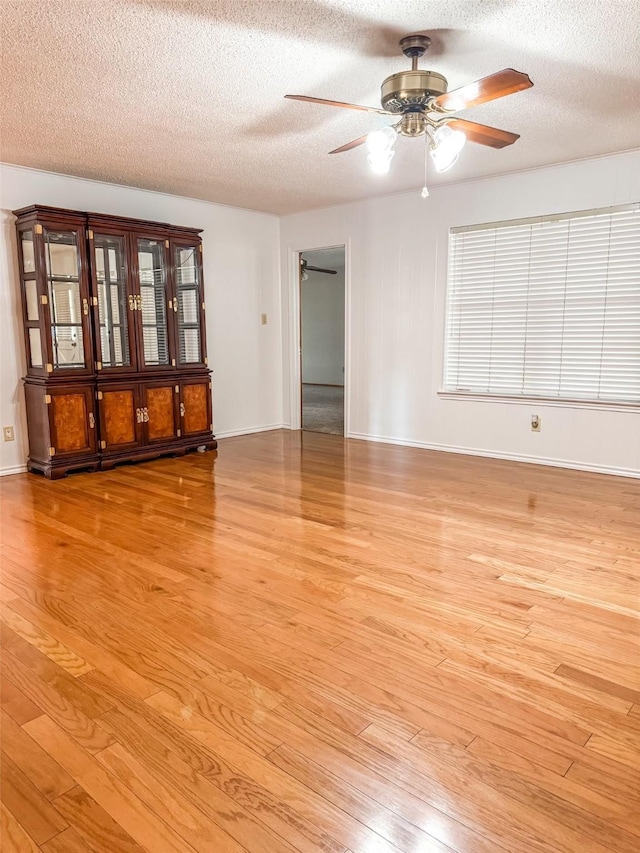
381 140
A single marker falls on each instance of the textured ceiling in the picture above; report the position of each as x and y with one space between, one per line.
187 97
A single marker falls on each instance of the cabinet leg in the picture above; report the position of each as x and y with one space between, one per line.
56 474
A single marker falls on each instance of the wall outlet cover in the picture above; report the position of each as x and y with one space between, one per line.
7 433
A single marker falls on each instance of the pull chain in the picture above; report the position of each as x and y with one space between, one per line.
425 191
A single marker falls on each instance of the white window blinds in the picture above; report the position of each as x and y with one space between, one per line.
546 307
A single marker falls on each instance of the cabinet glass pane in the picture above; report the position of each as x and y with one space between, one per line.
31 293
35 345
63 285
112 299
28 254
151 267
188 298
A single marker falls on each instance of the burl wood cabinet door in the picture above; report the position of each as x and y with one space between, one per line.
120 417
160 411
195 406
72 423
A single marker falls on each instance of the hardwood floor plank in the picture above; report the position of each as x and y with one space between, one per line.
95 655
27 657
224 717
618 783
70 842
43 772
149 830
192 824
401 833
15 703
614 749
567 827
13 835
91 824
29 806
227 798
578 795
306 643
59 707
251 773
602 684
49 646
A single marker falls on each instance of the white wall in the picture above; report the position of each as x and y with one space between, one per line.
396 279
242 280
323 327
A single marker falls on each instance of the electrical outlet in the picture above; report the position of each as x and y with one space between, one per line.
263 319
535 423
7 433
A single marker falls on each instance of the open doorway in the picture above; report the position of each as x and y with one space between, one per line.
322 338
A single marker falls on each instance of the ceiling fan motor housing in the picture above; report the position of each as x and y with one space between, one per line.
413 88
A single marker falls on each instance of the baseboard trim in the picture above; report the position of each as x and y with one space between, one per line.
13 469
508 457
250 430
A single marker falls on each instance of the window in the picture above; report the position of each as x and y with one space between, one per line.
546 307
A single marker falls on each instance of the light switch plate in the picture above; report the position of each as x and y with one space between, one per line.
7 433
263 319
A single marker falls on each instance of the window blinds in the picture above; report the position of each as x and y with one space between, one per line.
546 307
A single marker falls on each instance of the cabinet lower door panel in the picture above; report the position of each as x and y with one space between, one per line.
119 418
72 422
196 407
160 413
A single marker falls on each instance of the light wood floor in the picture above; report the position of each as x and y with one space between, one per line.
317 645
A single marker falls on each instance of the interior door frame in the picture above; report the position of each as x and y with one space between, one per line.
295 332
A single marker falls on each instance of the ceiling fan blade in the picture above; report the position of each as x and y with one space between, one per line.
489 88
311 100
482 133
319 269
354 144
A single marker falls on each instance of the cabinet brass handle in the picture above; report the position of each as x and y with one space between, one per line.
92 420
145 415
132 303
139 302
85 307
181 410
138 416
175 304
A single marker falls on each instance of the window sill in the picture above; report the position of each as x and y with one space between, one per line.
604 406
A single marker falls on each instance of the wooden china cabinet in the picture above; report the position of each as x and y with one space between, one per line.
114 318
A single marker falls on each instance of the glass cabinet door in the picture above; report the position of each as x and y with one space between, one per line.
110 271
152 275
67 307
188 299
31 300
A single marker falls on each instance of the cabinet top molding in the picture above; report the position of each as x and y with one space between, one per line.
35 211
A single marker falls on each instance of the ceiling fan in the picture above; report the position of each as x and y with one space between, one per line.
305 269
421 100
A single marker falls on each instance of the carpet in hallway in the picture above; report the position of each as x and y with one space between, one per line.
323 409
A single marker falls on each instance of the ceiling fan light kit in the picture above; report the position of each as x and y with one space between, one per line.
445 147
424 106
380 144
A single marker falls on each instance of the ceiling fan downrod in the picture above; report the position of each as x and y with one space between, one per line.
414 47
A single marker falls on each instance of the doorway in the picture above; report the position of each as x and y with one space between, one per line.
322 339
